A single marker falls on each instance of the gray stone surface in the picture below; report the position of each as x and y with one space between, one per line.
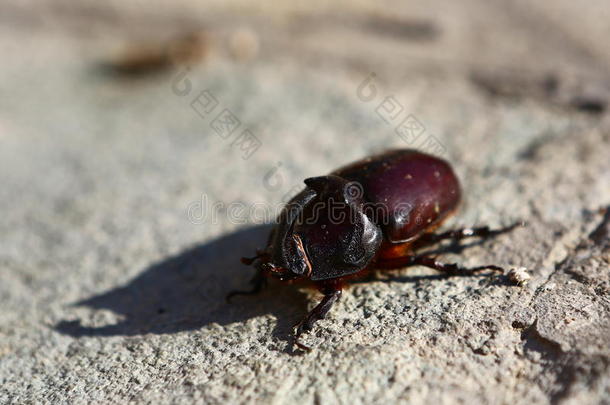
112 283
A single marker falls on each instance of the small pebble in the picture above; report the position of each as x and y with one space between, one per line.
519 276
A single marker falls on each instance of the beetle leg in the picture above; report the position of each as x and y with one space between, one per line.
458 234
452 269
258 282
331 295
248 261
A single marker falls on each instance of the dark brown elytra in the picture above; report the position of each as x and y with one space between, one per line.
372 214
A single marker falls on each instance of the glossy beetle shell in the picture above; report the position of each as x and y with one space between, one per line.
418 190
391 198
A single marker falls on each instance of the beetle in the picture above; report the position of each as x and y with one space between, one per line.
372 214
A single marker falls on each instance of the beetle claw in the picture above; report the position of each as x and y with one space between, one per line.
495 268
509 228
302 346
479 269
298 331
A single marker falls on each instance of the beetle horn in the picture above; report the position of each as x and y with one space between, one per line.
350 192
318 184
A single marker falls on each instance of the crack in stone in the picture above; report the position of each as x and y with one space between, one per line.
534 340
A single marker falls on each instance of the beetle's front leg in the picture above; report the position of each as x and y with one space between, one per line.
258 282
459 234
332 292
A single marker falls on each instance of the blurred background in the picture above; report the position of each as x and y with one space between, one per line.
142 144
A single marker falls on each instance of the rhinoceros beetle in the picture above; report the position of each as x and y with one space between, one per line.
372 214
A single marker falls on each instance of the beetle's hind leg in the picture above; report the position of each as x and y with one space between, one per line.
258 282
463 233
331 294
452 269
455 236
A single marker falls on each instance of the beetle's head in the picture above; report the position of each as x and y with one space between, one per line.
285 257
322 233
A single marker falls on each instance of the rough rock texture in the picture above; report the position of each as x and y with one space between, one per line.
112 279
